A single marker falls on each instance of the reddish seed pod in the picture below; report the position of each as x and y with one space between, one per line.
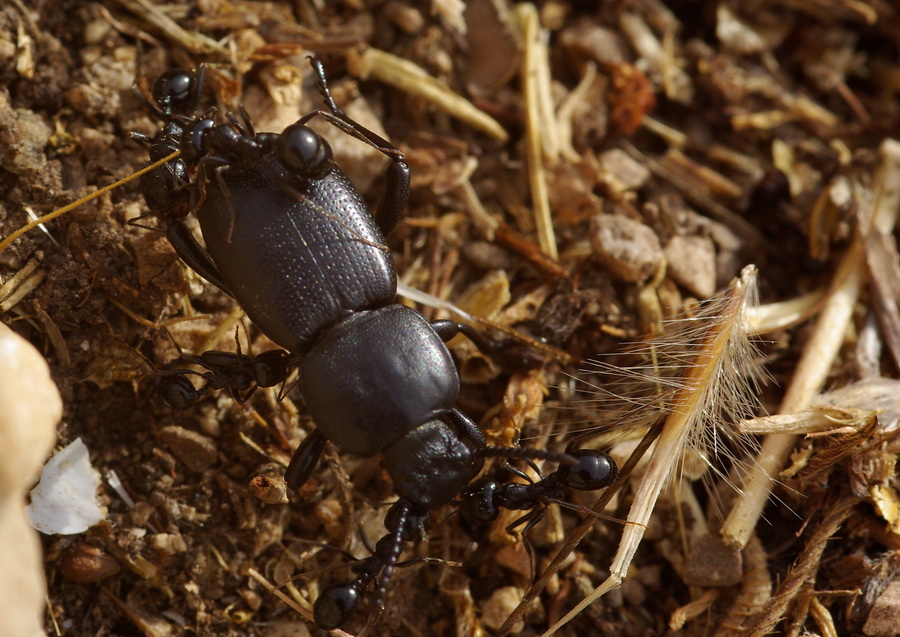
87 564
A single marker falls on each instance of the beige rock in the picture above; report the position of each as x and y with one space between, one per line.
884 618
499 606
692 264
627 247
31 409
195 450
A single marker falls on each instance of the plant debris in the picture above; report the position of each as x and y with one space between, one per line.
582 175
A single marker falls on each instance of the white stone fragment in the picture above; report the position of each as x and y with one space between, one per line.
65 500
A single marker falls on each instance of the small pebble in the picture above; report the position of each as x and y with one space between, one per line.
692 264
884 618
618 167
499 606
270 490
711 562
196 451
627 247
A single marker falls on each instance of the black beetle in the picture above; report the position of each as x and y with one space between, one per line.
289 237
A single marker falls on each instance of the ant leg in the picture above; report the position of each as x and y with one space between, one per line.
217 163
244 125
199 81
510 355
397 177
521 474
240 398
147 104
248 122
530 520
136 89
305 459
140 138
340 119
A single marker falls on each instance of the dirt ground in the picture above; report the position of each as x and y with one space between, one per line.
580 176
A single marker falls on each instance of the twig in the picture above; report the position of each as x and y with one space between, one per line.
537 178
412 79
805 567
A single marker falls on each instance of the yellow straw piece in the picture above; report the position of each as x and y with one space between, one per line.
61 211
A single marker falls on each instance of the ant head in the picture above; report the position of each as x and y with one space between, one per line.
271 368
477 504
593 471
304 151
175 91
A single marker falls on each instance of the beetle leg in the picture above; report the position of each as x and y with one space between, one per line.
305 459
192 253
395 196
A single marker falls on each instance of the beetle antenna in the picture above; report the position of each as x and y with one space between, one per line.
521 453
